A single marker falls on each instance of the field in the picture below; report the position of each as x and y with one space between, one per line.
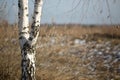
65 52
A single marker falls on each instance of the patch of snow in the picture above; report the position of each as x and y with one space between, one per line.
62 44
100 53
52 40
78 41
61 53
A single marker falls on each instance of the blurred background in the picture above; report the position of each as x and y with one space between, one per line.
68 11
79 40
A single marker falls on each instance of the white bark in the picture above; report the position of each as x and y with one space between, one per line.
28 40
23 23
36 21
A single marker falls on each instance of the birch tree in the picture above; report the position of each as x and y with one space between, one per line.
28 38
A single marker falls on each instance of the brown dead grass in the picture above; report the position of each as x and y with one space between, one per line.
10 53
111 33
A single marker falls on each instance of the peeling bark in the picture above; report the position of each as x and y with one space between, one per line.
28 39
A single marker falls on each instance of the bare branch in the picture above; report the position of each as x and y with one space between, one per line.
109 16
75 6
3 5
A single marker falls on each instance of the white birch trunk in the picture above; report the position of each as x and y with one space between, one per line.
36 21
28 39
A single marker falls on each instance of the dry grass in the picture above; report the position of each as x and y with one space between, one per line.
10 53
111 33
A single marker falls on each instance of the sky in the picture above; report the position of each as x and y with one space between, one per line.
69 11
